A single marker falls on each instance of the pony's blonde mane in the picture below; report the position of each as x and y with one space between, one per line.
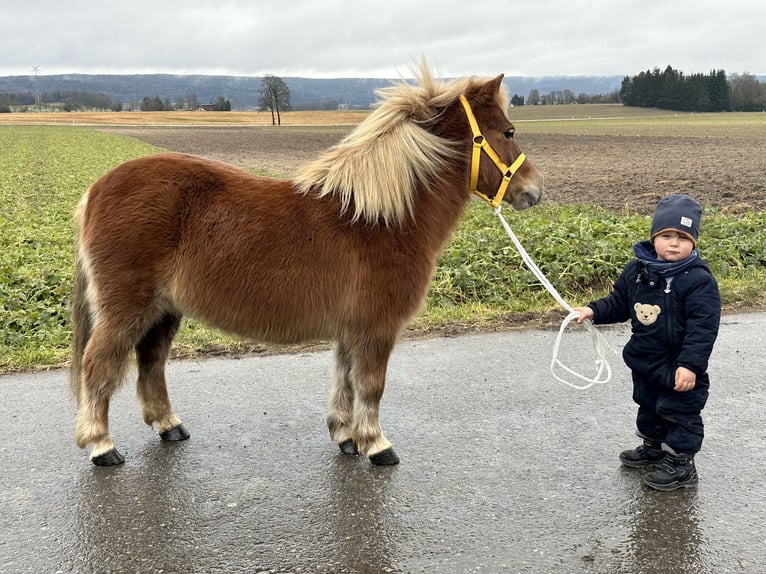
380 164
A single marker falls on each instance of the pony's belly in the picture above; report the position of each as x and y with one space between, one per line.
287 321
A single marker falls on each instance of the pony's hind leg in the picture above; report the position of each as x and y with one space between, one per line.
340 408
103 366
151 354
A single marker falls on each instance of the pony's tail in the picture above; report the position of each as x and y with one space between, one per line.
82 325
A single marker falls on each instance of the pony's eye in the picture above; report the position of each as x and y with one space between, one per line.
509 134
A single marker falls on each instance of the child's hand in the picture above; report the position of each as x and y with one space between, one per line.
685 379
585 313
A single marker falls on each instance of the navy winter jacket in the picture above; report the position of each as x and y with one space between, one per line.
671 326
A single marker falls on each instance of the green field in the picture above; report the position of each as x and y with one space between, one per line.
44 170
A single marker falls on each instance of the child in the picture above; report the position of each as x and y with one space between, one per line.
671 297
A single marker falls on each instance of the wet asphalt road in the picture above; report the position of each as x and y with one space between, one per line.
503 470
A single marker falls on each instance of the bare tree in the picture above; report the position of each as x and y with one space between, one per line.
275 97
192 100
747 93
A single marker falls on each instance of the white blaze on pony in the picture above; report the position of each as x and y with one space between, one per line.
344 252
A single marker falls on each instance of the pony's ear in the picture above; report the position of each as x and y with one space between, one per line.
496 83
491 88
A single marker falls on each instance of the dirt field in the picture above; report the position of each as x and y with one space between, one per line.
617 172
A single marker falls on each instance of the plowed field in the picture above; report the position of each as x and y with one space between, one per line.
618 172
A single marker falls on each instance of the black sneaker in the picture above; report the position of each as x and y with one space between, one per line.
674 472
643 456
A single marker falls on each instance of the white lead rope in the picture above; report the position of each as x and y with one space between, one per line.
600 344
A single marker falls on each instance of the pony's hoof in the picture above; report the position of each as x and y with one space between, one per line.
109 458
175 434
385 458
348 447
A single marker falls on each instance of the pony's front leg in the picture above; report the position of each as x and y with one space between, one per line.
340 409
368 379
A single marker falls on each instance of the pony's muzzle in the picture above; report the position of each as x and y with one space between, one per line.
527 197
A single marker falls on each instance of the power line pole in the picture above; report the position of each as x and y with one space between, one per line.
38 99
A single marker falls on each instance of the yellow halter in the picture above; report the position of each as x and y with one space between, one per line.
480 143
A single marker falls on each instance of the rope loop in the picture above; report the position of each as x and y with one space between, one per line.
600 344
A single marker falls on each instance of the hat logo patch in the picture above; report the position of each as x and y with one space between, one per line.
686 222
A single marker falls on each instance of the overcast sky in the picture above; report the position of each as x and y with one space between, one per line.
360 38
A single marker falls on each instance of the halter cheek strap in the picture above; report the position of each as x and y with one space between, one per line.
480 143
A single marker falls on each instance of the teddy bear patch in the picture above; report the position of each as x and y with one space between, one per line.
647 314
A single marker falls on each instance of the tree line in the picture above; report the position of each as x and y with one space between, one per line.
747 93
155 104
557 97
667 89
66 100
75 100
274 97
673 90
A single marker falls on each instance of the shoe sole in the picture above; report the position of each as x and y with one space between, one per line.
672 485
638 464
632 464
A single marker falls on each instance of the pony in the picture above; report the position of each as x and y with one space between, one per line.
342 252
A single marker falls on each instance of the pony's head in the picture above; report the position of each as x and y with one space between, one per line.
499 171
420 137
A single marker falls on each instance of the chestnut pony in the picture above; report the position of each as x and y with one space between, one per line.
343 252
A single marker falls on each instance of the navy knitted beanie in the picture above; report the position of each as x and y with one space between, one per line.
678 212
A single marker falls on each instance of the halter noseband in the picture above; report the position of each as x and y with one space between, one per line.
480 143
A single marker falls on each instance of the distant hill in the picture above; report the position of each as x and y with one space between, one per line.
242 91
